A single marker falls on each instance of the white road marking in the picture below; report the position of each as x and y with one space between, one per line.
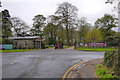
53 50
13 62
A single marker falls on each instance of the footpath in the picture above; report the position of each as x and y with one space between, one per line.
87 70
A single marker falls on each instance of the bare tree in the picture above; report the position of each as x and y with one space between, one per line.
19 27
67 13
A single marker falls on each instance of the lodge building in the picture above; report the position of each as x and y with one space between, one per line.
29 42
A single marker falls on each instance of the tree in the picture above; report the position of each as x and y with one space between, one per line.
113 2
83 27
50 30
94 34
54 31
50 33
6 25
116 8
38 25
67 13
20 28
105 24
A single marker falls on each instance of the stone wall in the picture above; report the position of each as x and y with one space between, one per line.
20 44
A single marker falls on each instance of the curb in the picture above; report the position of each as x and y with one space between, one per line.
90 51
69 71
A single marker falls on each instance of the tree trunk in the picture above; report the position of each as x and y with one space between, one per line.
67 36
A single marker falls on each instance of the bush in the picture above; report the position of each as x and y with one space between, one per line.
7 41
111 60
105 73
99 65
108 76
46 46
101 71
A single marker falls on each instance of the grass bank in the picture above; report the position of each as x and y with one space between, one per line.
17 50
104 73
95 49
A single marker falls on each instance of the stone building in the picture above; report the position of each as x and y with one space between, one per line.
30 42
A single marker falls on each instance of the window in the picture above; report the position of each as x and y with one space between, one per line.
25 43
15 43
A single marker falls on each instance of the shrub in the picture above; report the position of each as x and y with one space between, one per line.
105 73
99 65
46 46
7 41
108 76
111 60
101 71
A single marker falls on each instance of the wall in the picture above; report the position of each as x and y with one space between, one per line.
21 44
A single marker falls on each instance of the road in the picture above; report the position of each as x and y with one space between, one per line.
47 63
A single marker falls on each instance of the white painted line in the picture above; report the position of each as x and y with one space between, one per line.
13 62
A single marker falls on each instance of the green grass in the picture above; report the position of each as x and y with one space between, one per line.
17 50
104 72
50 47
67 47
95 49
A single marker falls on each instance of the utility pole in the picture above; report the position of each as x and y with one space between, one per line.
0 41
119 16
119 40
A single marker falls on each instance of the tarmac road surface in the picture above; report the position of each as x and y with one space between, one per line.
47 63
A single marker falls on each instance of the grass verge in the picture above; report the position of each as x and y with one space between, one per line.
103 72
95 49
67 47
50 47
17 50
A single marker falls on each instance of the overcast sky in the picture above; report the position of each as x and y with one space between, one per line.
27 9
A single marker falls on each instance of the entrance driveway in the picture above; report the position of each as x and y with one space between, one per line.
48 63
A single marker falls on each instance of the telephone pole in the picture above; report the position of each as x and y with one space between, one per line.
119 16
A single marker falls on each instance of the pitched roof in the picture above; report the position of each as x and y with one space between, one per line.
27 37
